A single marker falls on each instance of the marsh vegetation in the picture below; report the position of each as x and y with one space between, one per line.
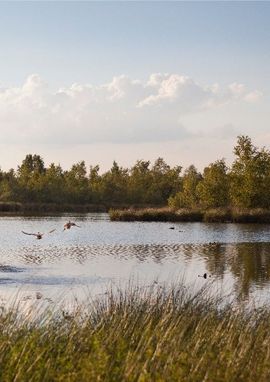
142 334
211 215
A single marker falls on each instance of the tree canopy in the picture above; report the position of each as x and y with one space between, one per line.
245 184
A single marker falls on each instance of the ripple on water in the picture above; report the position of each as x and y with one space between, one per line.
81 253
10 269
102 248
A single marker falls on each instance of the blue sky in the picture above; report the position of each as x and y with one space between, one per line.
90 43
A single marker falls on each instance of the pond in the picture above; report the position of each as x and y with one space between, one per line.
100 255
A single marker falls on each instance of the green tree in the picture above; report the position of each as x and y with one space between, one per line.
114 184
213 190
188 197
76 182
31 165
54 185
8 186
250 175
30 175
139 182
165 181
95 184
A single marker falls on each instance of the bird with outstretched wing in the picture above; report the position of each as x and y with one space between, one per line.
38 235
70 224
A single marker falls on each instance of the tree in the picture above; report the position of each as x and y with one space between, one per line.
114 184
139 182
30 175
188 197
31 165
8 186
213 190
166 181
250 175
54 185
95 184
77 183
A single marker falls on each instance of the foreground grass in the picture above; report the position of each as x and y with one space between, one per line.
217 215
148 335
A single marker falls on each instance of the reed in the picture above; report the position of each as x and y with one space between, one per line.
10 207
217 215
253 215
148 334
21 208
164 214
213 215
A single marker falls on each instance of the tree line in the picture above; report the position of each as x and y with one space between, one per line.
246 183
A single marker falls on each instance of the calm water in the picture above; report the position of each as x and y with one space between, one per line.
103 254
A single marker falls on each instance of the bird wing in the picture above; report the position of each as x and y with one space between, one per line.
26 233
52 231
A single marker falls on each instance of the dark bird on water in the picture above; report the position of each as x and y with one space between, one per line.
38 235
204 275
70 224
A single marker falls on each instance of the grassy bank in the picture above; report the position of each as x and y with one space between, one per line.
139 336
25 208
218 215
28 208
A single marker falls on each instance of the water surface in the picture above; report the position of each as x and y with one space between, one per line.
101 254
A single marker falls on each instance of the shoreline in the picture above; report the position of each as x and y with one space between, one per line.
18 208
218 215
143 213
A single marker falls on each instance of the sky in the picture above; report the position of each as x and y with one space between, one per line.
105 81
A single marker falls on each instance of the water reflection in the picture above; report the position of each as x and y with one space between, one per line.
237 256
250 264
247 264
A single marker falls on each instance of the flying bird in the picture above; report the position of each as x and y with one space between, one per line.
70 224
38 235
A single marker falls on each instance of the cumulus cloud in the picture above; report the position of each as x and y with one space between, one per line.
123 110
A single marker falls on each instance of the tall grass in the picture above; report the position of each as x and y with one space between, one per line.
40 207
139 335
212 215
155 214
29 208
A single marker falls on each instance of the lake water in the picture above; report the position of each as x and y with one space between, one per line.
103 254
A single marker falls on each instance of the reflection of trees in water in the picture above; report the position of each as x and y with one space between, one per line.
212 253
215 259
249 264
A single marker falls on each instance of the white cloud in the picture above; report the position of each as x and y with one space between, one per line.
190 96
236 89
253 96
124 110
